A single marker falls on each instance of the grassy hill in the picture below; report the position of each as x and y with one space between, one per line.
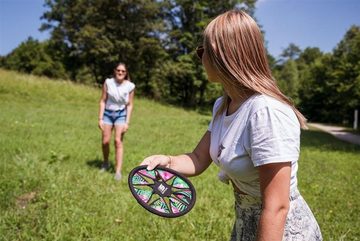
51 188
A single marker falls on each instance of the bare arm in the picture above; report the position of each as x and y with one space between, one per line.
190 164
275 189
102 105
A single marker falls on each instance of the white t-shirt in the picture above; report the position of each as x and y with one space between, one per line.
117 94
263 130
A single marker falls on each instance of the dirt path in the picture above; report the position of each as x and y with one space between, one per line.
338 132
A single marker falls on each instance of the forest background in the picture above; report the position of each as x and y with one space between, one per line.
157 40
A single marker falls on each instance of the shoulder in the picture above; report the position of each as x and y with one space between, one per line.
264 107
217 104
130 85
109 81
273 132
260 101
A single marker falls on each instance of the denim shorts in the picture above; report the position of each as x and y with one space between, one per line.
114 117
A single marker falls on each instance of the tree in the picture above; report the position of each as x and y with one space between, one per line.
98 34
288 80
309 56
308 66
315 92
291 52
330 90
155 38
186 20
33 57
346 74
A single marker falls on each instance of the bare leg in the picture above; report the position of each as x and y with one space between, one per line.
106 137
119 147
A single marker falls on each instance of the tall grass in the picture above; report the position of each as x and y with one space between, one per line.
51 188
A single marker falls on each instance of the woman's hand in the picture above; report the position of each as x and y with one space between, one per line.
156 160
126 127
101 124
189 164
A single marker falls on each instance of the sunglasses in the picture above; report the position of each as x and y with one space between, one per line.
200 51
120 71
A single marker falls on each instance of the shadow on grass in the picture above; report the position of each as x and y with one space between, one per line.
325 141
96 163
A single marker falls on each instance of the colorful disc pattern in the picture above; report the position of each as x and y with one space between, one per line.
162 191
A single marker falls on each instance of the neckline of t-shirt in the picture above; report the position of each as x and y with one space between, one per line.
122 83
227 117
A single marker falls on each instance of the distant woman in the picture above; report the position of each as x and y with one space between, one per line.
254 136
116 105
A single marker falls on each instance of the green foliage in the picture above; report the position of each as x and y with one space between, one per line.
157 40
325 86
2 61
51 188
32 57
98 34
331 87
181 77
151 59
347 72
288 80
187 83
291 52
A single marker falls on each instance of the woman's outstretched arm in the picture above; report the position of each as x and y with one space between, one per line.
189 164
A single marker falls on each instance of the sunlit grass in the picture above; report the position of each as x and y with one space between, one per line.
51 188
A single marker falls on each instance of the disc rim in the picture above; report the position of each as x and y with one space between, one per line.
152 210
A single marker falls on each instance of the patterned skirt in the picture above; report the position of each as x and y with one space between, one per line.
300 223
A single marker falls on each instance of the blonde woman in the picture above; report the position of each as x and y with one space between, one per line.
116 105
254 136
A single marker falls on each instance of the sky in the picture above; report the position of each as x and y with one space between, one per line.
306 23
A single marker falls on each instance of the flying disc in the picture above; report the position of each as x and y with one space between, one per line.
162 191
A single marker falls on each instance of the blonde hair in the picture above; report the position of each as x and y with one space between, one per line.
234 46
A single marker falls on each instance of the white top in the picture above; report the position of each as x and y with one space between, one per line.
263 130
117 94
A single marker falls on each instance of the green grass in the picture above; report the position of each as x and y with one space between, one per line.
51 188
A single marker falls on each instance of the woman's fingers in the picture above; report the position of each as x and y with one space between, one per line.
146 161
100 124
152 161
152 165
